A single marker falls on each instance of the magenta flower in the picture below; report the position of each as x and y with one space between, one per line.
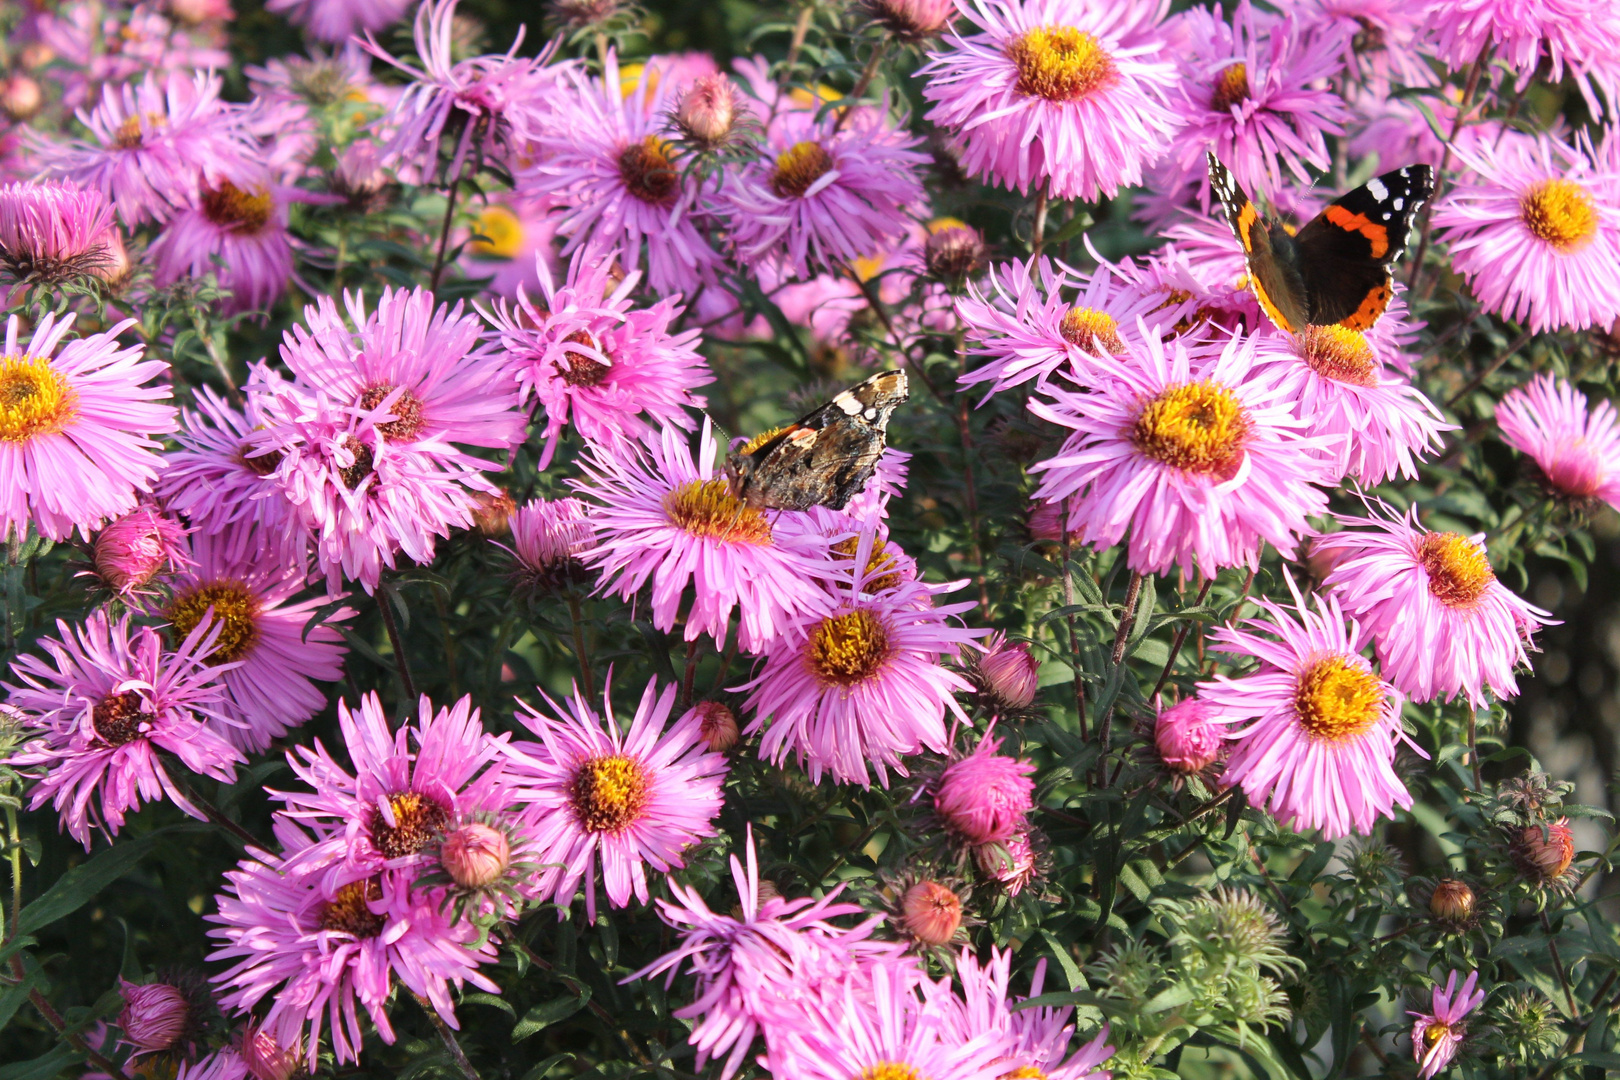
602 800
239 234
337 21
1320 750
1011 864
1385 42
154 1016
984 797
548 537
1007 674
1190 450
1036 1040
53 232
1536 230
102 708
226 1063
823 193
76 428
155 145
606 160
1438 1033
1442 624
1056 95
1576 453
1189 735
589 355
133 550
277 657
1531 37
1030 330
659 516
1374 422
757 968
408 786
1251 94
321 946
221 477
862 686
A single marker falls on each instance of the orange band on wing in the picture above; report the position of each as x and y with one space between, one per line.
1246 219
1370 310
1270 308
1377 235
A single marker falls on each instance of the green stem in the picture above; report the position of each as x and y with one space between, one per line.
1464 107
1496 365
401 664
448 1037
862 84
578 618
1180 640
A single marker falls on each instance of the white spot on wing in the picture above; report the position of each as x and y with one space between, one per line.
848 403
1379 191
1399 203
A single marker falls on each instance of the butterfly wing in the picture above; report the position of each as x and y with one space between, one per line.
1269 252
1346 251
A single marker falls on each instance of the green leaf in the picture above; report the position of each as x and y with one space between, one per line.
546 1066
543 1016
78 887
13 998
1166 1000
59 1057
492 1000
1071 970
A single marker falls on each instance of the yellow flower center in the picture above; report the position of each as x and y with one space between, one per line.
847 649
348 913
1060 63
1459 571
888 1070
1023 1072
649 172
1092 331
229 207
798 167
1231 87
609 793
881 570
1338 699
1340 354
1433 1032
127 136
708 509
35 398
117 718
500 233
236 613
406 410
1560 212
1200 427
417 820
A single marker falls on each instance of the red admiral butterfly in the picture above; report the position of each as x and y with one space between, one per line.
823 459
1337 268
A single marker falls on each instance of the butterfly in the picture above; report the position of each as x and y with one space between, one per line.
1336 269
826 457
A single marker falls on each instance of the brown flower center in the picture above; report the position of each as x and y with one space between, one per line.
117 718
609 793
1060 63
1201 427
847 649
417 820
581 369
1340 354
798 167
406 409
236 613
1092 331
1459 571
1337 699
258 464
348 913
708 509
1231 87
1561 213
35 398
229 207
364 461
648 171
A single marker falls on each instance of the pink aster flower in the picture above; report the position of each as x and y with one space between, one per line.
155 145
1375 423
589 355
1036 1040
277 657
1189 735
1384 41
862 686
220 478
548 537
601 800
1011 864
53 232
76 428
133 550
1576 452
662 517
825 191
321 947
1031 330
1251 95
1320 751
337 21
239 234
225 1063
1442 624
606 160
1056 95
1533 38
757 968
1439 1033
154 1016
1188 449
100 711
984 797
1535 229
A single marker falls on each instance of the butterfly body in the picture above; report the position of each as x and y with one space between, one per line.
826 457
1337 268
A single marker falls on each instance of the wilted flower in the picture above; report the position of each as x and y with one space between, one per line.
1011 863
1438 1033
984 797
133 550
1544 852
20 97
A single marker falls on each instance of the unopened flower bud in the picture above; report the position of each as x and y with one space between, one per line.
475 855
910 20
20 97
358 174
954 253
1452 901
115 263
1011 864
1010 676
575 14
708 112
132 550
718 725
931 913
266 1059
492 514
1187 736
35 55
154 1015
984 797
197 12
1543 856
